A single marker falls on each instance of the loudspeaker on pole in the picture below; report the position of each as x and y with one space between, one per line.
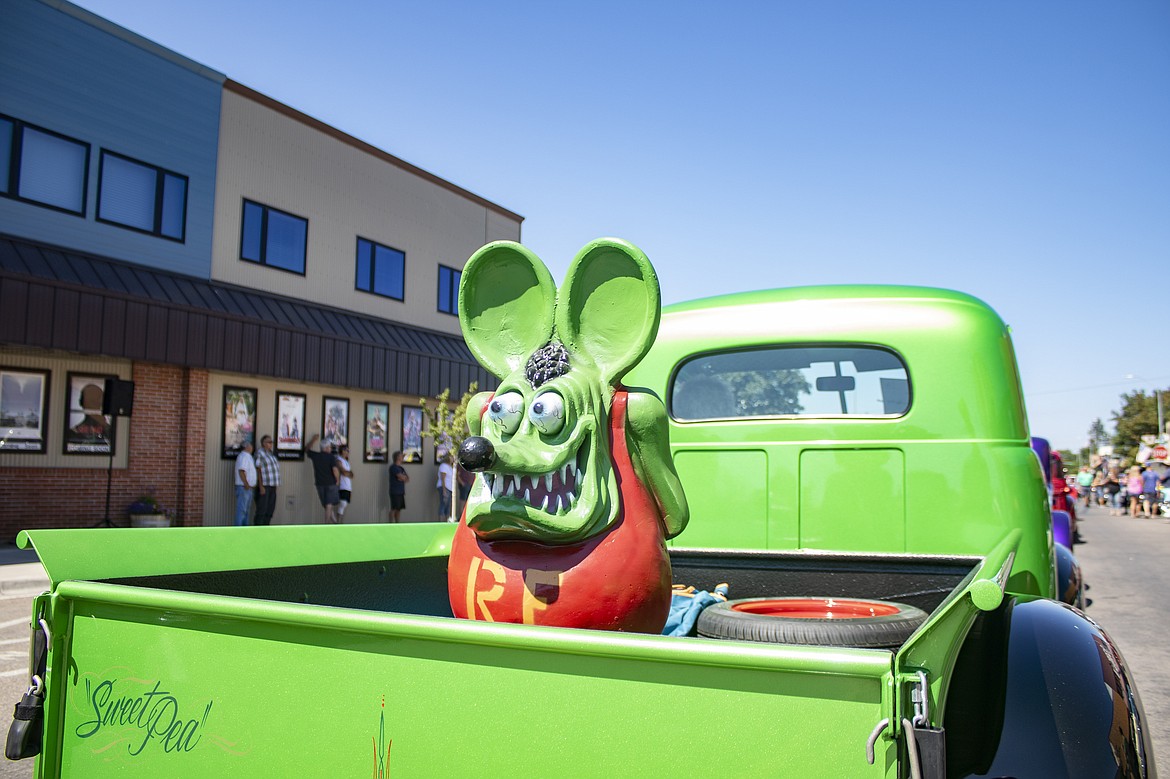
118 397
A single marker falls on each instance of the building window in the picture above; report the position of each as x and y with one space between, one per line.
43 167
141 197
380 269
272 237
449 290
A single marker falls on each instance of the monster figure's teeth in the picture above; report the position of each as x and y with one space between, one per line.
554 492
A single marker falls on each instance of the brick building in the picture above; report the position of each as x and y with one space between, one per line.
162 224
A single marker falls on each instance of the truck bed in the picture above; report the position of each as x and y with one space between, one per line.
331 652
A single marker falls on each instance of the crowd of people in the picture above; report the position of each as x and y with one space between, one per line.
257 478
1136 491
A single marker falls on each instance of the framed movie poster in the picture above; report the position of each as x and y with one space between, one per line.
290 425
24 393
335 422
377 416
412 420
239 420
87 429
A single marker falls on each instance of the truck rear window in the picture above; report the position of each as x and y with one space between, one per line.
819 381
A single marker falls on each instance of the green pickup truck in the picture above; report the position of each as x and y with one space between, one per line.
861 448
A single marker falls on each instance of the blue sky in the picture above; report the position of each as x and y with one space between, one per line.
1017 151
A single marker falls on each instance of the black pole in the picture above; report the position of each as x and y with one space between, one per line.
109 476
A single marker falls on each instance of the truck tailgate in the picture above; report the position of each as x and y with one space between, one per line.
160 683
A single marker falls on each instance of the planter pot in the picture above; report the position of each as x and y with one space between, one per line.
149 520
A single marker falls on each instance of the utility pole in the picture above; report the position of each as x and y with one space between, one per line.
1161 426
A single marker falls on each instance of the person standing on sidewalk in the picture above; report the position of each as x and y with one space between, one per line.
1150 495
398 479
1133 489
444 485
325 476
1085 484
344 481
245 479
267 481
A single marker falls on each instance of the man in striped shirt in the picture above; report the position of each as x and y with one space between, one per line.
268 479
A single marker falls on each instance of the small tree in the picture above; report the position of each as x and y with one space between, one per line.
448 426
1097 435
1138 416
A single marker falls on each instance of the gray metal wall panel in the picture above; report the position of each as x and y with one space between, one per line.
296 354
156 334
249 346
281 353
265 358
67 303
89 338
14 304
60 72
40 315
214 349
197 325
233 359
401 374
136 324
177 323
313 358
414 379
113 326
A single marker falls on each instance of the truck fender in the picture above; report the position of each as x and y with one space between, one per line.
1070 585
1039 689
1062 530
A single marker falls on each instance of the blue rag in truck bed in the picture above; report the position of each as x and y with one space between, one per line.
685 605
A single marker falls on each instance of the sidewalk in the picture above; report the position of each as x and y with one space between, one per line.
21 573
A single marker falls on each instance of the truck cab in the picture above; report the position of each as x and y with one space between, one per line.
851 418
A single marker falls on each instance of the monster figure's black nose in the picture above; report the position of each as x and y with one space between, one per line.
477 454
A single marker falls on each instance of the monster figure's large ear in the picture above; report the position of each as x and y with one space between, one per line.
609 306
506 302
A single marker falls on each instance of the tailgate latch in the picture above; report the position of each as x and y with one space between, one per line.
25 735
925 746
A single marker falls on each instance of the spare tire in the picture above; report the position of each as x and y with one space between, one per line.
817 621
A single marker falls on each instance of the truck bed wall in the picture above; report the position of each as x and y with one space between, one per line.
419 585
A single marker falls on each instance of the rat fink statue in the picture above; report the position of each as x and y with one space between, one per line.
576 492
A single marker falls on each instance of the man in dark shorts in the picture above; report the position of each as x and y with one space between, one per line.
398 479
325 477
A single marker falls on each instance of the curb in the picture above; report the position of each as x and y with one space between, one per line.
24 587
23 579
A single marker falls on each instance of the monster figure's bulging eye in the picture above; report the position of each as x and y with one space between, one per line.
507 411
547 413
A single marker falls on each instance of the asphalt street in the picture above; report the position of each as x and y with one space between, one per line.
1124 561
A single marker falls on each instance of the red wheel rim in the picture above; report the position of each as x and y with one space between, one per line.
816 608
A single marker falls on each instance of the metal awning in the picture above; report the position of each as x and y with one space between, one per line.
55 298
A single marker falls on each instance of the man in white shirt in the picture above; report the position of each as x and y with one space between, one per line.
444 484
345 482
245 481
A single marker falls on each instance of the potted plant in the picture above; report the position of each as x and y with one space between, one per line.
146 511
